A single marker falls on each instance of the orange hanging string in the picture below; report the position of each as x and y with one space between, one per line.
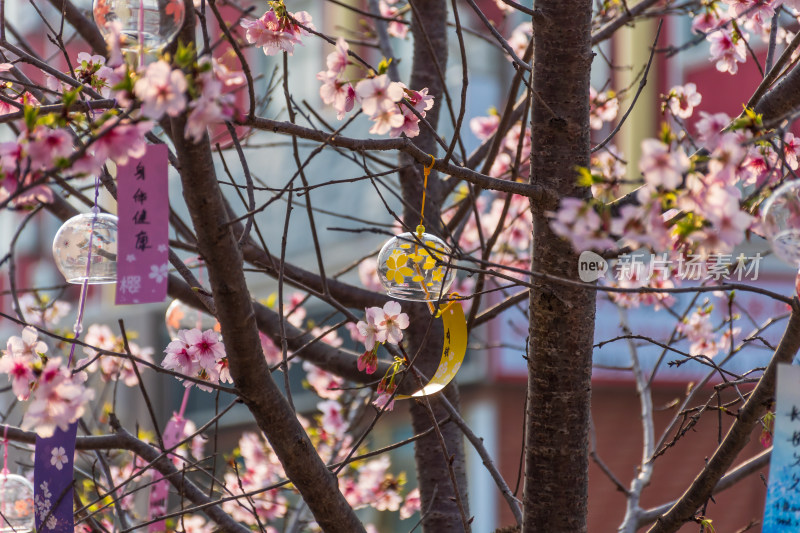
426 171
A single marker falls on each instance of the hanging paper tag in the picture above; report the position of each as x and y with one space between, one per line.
782 510
173 434
52 479
143 211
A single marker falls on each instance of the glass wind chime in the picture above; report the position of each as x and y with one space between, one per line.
16 498
145 27
417 266
88 250
781 222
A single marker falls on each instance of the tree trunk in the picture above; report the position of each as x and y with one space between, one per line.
436 488
561 318
439 508
224 261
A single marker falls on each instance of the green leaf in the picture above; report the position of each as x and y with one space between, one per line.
31 114
70 97
383 66
184 56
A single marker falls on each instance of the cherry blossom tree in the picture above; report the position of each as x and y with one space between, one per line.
545 185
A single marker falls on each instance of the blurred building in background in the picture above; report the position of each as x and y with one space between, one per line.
493 378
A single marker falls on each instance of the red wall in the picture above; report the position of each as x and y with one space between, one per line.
615 411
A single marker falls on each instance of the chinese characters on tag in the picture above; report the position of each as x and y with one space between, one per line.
143 211
782 510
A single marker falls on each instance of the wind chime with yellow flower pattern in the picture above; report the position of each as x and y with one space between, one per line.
417 266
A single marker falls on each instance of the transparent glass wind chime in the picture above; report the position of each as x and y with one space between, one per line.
16 498
145 26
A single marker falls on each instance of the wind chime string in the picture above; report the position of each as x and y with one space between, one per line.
78 329
426 171
141 33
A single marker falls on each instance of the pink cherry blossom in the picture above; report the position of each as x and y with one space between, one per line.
700 333
195 524
726 158
274 33
520 37
752 8
328 337
373 330
28 345
501 166
338 60
394 321
791 150
42 312
94 73
604 108
25 193
511 141
212 107
682 99
338 93
272 353
411 504
760 167
636 276
162 90
59 399
120 141
178 357
730 222
725 51
661 166
409 127
378 95
388 120
228 77
196 354
631 226
368 362
705 22
114 41
325 384
46 146
355 335
333 421
100 337
384 399
578 222
484 127
396 28
709 127
19 369
205 347
6 108
223 371
368 275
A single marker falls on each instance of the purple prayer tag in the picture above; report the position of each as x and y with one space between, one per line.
143 242
52 479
